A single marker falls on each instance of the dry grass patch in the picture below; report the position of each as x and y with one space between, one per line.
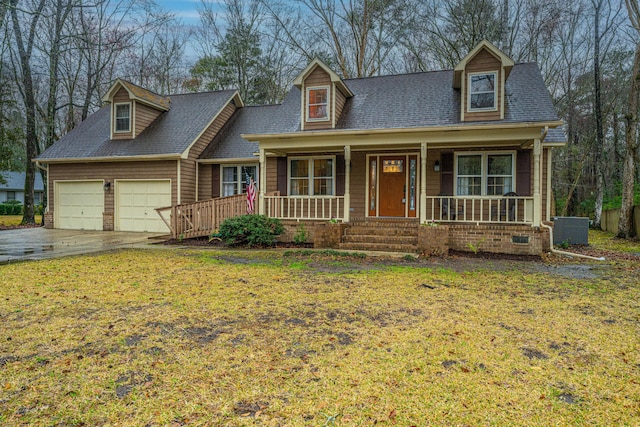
175 337
14 220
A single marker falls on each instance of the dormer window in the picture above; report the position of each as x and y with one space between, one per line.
482 91
318 103
123 117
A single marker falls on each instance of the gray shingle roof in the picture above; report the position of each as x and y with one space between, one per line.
170 134
422 100
228 144
15 181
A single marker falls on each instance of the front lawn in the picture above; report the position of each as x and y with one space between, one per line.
194 337
14 220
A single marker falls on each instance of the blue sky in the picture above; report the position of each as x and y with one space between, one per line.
184 9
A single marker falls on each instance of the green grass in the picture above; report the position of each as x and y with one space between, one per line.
13 220
604 240
168 337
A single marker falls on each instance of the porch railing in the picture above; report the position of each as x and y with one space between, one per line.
513 210
204 217
304 207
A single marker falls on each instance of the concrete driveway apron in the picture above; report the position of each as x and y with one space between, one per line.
41 243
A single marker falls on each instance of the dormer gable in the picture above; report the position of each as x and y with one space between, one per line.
133 108
481 76
323 95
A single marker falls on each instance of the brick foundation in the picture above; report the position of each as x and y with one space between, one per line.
292 227
506 239
328 235
433 241
48 220
107 222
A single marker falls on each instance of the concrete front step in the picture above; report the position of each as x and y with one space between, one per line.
383 247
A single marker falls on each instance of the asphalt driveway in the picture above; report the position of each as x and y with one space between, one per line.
41 243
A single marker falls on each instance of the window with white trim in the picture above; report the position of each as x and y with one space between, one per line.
11 195
234 178
482 91
312 176
123 117
318 103
484 174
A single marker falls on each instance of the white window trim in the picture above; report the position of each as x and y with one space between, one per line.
495 92
306 107
115 117
484 171
310 176
241 179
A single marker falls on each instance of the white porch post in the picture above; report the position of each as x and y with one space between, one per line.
263 182
423 182
537 198
347 182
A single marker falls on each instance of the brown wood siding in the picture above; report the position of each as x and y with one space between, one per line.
433 178
208 135
340 100
358 184
121 96
187 181
205 182
109 172
483 61
144 115
272 174
215 181
318 77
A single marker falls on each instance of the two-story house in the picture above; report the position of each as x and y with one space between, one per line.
469 149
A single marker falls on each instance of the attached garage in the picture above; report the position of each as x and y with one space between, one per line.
79 205
136 202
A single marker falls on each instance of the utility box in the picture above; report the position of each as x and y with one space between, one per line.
570 229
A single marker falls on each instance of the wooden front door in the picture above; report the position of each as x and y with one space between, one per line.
393 173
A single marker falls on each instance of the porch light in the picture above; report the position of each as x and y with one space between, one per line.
107 186
436 166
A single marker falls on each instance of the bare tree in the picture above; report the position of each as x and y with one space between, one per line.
25 27
625 224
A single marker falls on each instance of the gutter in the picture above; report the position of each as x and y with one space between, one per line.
448 128
565 253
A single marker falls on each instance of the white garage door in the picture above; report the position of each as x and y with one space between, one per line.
136 202
79 205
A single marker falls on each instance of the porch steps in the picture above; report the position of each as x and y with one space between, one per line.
389 235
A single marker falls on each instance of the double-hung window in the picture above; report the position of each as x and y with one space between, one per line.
318 103
123 117
234 178
482 91
312 176
484 174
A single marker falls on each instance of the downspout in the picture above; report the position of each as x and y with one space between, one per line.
548 227
565 253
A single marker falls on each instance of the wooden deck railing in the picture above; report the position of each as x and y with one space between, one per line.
202 218
304 207
510 210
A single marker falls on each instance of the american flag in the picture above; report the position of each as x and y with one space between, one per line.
251 194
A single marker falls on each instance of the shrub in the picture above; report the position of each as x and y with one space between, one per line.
300 238
11 207
250 230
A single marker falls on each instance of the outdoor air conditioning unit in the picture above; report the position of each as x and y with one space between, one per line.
570 229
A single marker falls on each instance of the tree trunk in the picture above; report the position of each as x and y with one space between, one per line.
599 148
625 224
29 99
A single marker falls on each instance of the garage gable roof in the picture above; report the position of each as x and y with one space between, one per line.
169 135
